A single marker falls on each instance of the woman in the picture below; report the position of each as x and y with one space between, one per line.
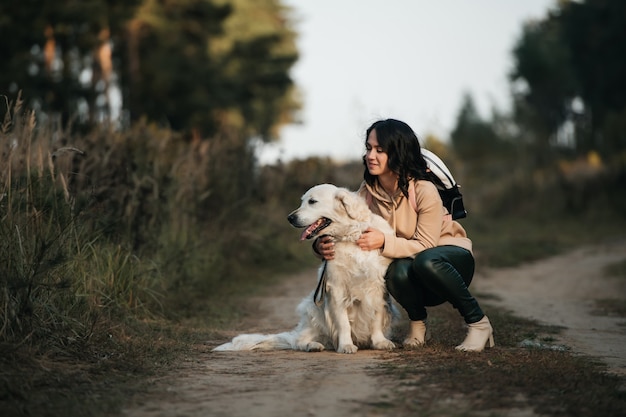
433 256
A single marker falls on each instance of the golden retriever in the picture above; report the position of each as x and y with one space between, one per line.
351 308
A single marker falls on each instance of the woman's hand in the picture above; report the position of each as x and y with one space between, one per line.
371 239
325 247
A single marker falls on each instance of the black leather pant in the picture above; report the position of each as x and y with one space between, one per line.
435 276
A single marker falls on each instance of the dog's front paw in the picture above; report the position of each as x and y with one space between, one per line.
347 348
314 347
384 344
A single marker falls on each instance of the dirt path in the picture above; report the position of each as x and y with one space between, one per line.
265 384
562 291
558 291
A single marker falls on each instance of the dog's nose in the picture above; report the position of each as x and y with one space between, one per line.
291 218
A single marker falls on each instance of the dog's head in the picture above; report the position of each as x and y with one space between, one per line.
328 208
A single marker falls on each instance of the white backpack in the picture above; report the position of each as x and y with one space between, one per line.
449 189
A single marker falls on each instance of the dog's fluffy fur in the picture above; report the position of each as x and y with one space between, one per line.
355 309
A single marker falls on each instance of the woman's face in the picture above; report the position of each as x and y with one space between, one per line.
375 157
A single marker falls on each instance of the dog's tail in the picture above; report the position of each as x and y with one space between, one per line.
280 341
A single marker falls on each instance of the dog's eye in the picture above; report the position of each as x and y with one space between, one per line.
312 201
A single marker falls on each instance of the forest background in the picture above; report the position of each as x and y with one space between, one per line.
133 210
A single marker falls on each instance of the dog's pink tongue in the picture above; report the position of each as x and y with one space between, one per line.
307 232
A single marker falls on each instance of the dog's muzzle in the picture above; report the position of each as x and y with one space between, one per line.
313 229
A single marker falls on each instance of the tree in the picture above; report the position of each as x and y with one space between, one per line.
543 63
256 55
194 65
572 65
595 33
167 74
473 138
49 48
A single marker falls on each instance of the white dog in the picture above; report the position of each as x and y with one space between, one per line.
351 307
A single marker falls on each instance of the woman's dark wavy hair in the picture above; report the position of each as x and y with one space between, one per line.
403 151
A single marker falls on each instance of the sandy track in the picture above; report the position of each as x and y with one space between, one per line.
261 384
562 291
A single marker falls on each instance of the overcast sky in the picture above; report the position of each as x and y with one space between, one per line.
362 60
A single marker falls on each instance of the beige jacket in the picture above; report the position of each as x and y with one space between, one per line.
416 230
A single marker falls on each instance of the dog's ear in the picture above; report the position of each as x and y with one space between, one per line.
355 206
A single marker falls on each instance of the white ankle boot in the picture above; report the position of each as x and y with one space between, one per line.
417 335
479 336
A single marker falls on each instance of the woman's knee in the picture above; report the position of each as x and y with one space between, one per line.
425 263
444 261
397 276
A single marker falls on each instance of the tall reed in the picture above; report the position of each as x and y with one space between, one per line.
113 225
59 278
